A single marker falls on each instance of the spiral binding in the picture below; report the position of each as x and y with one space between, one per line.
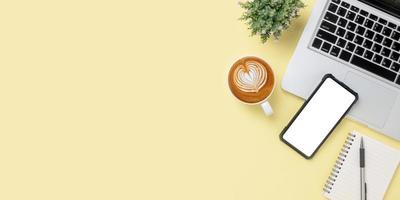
330 182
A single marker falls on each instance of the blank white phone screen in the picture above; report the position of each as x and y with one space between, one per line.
319 117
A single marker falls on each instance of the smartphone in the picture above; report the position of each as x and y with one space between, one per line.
318 116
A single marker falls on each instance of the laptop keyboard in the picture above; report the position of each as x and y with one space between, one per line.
360 38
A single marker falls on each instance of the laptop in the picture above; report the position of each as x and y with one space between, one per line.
358 41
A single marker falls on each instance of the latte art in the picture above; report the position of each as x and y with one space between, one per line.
250 77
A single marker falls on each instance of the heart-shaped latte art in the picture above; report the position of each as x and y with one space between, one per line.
250 77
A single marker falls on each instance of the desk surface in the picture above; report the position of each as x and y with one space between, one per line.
129 100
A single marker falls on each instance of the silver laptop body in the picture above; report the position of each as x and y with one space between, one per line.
359 46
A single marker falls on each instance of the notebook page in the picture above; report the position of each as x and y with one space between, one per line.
381 162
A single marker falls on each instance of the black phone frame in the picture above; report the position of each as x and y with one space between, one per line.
305 104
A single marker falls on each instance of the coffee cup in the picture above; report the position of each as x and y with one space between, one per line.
252 81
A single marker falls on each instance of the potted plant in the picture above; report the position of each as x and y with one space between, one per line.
269 17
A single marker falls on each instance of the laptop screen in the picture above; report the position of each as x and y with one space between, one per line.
392 3
390 6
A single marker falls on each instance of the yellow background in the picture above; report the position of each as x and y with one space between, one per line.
129 100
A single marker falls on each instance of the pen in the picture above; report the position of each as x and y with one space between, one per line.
362 171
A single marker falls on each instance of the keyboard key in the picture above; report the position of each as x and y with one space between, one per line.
391 25
377 59
387 42
359 51
364 13
326 36
332 7
395 67
351 26
367 44
368 23
359 19
349 36
373 17
350 47
336 1
386 52
386 31
340 32
358 40
316 43
331 17
355 9
395 35
386 63
345 55
342 22
328 26
373 68
378 38
377 27
382 21
376 48
341 42
395 56
341 11
398 80
335 51
350 15
345 4
396 46
360 30
368 55
326 47
369 34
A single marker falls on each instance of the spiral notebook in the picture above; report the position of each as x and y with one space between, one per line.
381 162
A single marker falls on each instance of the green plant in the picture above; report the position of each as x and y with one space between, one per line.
269 17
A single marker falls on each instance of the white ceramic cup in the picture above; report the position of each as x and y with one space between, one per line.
265 105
